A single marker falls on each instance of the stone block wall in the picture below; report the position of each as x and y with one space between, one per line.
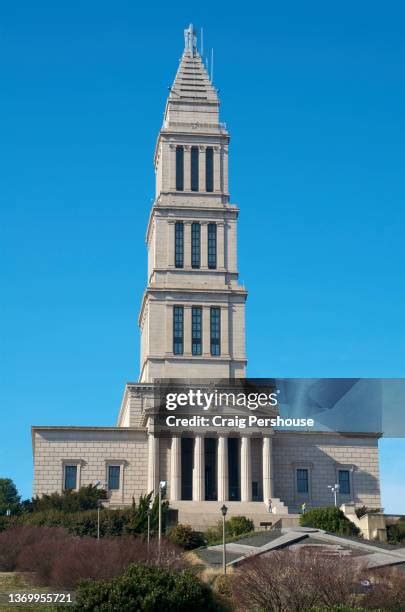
323 455
92 449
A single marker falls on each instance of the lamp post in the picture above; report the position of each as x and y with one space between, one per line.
148 511
335 490
224 510
99 504
162 486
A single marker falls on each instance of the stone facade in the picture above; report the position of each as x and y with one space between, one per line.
192 324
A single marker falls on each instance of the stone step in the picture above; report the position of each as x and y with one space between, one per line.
201 515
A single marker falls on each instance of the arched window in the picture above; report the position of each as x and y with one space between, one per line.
179 244
209 169
179 168
195 245
194 168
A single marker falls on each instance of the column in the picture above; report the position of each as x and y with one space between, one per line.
222 461
198 469
187 244
268 491
187 168
187 330
220 245
169 328
245 469
206 331
172 169
175 469
153 463
170 243
225 330
224 166
201 168
204 244
217 169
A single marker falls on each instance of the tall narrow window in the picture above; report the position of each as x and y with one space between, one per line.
302 481
179 168
344 482
212 246
178 330
195 245
209 169
194 169
113 477
179 244
196 330
215 325
70 477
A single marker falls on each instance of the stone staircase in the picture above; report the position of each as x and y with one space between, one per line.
201 515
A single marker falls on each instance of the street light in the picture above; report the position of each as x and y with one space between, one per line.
162 486
224 510
99 504
148 512
335 490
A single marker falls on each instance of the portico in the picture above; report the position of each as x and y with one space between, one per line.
213 467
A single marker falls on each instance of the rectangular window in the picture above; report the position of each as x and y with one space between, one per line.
194 169
113 477
302 481
215 325
196 330
344 482
209 169
179 168
212 246
179 244
195 245
178 330
70 477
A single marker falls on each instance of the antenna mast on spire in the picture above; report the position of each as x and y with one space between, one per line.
190 40
212 65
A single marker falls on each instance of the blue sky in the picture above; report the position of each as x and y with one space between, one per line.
314 97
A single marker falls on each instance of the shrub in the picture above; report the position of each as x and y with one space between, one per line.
88 559
138 516
146 587
330 519
365 510
39 557
213 535
186 537
387 591
237 525
15 540
287 580
86 498
59 559
396 533
131 521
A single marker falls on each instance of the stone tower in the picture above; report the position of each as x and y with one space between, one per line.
192 317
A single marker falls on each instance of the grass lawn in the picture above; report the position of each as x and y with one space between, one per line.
14 582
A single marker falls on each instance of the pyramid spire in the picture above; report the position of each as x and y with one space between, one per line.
192 93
